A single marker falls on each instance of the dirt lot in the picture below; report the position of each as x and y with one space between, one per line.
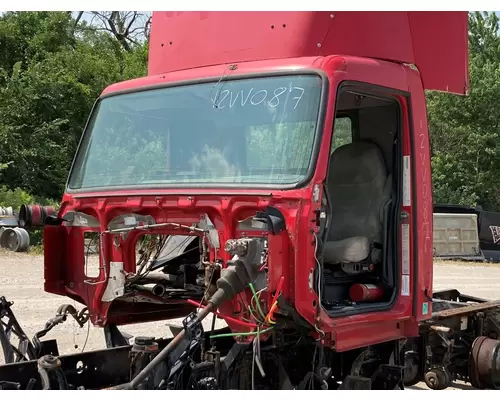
21 281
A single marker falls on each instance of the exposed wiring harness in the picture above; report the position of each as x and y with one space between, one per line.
264 324
150 255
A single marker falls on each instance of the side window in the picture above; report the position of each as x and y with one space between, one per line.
342 132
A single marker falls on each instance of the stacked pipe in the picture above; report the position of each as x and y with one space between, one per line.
8 217
34 215
12 237
6 212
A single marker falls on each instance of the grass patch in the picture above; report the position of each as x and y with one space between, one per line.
36 250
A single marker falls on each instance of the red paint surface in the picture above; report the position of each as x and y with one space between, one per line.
436 42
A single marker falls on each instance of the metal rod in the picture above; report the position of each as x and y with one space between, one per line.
440 328
162 355
150 226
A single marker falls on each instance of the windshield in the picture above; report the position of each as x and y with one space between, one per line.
254 131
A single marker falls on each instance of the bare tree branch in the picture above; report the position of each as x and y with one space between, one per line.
132 20
147 28
78 17
127 27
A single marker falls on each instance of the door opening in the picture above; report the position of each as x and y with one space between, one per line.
359 252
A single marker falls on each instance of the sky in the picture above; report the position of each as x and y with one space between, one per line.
88 16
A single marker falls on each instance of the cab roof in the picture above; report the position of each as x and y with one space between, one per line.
435 42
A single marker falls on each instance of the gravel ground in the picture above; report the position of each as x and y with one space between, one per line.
21 281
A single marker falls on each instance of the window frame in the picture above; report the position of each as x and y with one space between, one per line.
318 136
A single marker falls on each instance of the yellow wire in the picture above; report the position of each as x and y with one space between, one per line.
268 316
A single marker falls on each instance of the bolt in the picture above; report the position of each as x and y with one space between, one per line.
319 44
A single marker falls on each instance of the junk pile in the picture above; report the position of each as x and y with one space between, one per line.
14 227
468 230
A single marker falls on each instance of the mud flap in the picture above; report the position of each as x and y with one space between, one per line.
354 382
386 377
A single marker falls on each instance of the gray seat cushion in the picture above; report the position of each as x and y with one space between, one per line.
353 249
359 188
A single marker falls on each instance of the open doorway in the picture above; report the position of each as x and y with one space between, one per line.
359 251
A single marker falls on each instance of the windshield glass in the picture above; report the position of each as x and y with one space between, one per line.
257 131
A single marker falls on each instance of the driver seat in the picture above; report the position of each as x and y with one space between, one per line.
359 190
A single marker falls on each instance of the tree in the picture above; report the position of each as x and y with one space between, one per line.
465 130
49 80
129 28
31 36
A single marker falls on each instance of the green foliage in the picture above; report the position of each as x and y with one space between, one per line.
280 144
17 197
50 76
31 36
14 198
465 131
342 132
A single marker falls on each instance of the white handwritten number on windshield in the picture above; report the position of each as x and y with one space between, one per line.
255 97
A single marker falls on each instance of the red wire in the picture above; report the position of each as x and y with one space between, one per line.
278 290
237 321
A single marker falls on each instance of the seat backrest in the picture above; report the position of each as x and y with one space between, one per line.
358 188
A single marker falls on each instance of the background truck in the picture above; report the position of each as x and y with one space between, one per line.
273 168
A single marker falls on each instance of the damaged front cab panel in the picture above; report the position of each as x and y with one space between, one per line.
137 158
143 267
286 171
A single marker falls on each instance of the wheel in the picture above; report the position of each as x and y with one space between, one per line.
437 379
413 372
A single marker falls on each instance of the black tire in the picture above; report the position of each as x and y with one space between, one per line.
413 371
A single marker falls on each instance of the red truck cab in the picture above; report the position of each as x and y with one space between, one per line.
315 119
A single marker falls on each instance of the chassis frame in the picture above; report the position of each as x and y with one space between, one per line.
443 352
